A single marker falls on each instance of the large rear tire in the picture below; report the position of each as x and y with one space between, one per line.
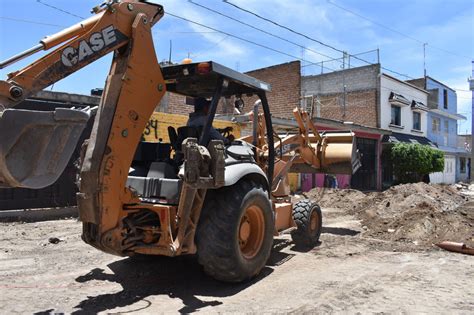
235 232
309 221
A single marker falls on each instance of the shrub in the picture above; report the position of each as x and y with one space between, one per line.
411 162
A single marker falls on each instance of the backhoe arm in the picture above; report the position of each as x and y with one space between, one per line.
29 158
81 44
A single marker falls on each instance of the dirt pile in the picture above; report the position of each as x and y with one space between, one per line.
420 213
336 198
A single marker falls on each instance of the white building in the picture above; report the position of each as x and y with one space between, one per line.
403 109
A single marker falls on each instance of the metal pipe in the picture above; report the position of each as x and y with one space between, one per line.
255 122
271 146
21 55
212 112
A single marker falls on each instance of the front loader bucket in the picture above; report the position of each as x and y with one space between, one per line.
35 146
340 154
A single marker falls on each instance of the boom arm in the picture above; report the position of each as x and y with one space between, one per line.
306 151
108 30
133 88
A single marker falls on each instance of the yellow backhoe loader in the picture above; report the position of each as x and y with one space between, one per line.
191 196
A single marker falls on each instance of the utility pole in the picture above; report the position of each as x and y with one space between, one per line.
471 87
344 55
424 59
302 58
171 51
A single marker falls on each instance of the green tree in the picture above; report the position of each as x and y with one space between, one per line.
413 161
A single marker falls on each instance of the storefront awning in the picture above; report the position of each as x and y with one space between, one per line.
396 137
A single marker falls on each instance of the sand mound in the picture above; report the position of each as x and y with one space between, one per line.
336 198
419 213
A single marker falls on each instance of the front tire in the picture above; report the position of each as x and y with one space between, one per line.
235 233
309 221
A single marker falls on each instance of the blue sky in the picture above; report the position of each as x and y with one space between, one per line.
444 25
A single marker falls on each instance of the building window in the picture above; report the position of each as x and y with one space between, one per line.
462 165
446 127
445 98
396 116
308 102
416 121
435 125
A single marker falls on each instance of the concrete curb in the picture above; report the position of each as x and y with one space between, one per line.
37 215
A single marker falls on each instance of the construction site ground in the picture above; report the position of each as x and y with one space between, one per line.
376 255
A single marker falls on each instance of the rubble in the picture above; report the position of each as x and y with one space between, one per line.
420 214
54 240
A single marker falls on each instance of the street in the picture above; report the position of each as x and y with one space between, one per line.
345 273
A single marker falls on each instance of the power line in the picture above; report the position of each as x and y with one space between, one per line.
186 32
241 38
308 37
29 21
202 25
393 30
59 9
284 27
259 29
315 40
211 47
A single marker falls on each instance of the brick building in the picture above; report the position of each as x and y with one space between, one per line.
348 95
351 97
285 80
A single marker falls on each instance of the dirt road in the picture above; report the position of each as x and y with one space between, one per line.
347 272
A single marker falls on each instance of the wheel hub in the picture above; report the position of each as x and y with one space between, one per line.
314 221
245 230
251 231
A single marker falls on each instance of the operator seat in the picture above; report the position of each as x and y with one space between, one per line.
188 132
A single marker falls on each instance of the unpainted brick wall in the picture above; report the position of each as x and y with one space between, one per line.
361 97
285 80
360 107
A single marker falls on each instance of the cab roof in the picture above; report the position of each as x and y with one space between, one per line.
200 79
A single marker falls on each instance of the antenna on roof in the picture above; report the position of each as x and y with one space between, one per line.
424 59
171 49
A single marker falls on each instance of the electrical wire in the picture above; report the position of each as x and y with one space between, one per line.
59 9
255 43
283 26
259 29
241 38
394 30
310 38
29 21
211 47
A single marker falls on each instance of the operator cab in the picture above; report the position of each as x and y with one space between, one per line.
154 170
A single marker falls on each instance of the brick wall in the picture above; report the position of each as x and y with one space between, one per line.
361 97
285 80
360 107
173 103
